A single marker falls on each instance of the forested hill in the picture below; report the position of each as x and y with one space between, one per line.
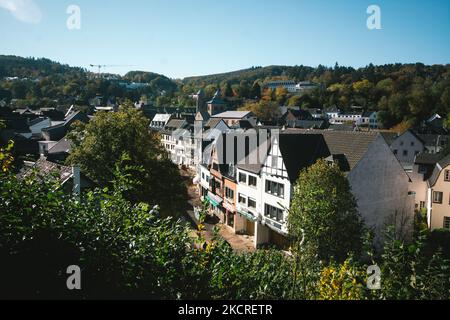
13 66
250 74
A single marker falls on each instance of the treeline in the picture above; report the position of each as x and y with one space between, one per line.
401 92
44 83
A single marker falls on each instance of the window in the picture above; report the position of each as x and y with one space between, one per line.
251 203
447 222
412 143
252 181
273 212
242 199
422 204
437 197
275 188
229 193
203 175
395 151
447 175
405 153
401 143
242 178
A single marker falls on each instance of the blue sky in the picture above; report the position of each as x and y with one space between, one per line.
181 38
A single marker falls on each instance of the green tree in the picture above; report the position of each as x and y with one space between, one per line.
255 92
264 110
123 138
324 212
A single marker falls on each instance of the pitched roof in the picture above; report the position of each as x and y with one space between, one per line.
352 144
430 139
307 124
299 151
216 99
443 163
233 114
162 117
62 146
213 122
45 168
427 158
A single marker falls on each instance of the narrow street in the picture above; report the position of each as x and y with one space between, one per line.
239 243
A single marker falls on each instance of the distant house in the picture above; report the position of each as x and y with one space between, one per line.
438 195
57 132
370 119
291 86
407 146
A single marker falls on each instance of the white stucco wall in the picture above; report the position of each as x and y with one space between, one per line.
409 143
380 186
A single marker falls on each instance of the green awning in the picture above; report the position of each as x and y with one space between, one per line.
212 201
247 215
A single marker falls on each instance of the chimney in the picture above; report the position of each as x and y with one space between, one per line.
76 180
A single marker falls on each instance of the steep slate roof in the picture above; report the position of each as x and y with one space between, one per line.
173 125
429 139
353 145
437 170
216 99
62 146
427 158
307 124
213 122
299 151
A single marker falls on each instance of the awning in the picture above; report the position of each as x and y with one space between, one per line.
247 215
214 200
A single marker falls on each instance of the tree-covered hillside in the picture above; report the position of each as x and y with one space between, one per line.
403 93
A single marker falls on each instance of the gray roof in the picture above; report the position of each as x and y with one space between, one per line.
233 114
62 146
443 163
173 125
45 168
430 139
352 144
427 158
216 99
